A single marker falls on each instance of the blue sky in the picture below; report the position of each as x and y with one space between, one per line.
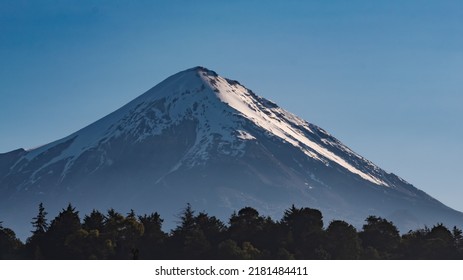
385 77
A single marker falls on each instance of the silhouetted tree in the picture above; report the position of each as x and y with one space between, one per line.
122 234
10 246
39 222
60 235
435 243
271 239
440 243
305 235
152 242
94 221
299 235
213 230
95 237
342 241
34 244
381 235
260 232
413 243
188 239
246 225
458 242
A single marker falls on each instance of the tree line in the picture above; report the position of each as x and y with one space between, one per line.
300 234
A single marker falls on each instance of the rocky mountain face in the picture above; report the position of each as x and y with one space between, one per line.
203 139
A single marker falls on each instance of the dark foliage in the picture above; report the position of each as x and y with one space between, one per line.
380 237
10 246
300 234
342 241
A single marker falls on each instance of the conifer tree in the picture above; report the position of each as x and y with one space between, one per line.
35 244
94 221
188 240
39 222
63 229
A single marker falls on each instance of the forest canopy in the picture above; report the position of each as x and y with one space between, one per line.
300 234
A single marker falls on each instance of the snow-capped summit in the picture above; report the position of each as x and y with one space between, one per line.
201 138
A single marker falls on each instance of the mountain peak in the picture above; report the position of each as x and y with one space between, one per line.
203 70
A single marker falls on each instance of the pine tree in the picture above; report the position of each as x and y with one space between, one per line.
187 241
60 237
39 222
94 221
187 220
35 244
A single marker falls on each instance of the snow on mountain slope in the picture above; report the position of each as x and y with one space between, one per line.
281 123
218 105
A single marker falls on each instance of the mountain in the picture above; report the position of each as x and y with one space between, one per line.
200 138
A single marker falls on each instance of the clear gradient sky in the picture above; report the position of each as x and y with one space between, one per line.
384 77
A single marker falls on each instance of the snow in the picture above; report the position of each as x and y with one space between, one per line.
241 99
245 135
218 106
